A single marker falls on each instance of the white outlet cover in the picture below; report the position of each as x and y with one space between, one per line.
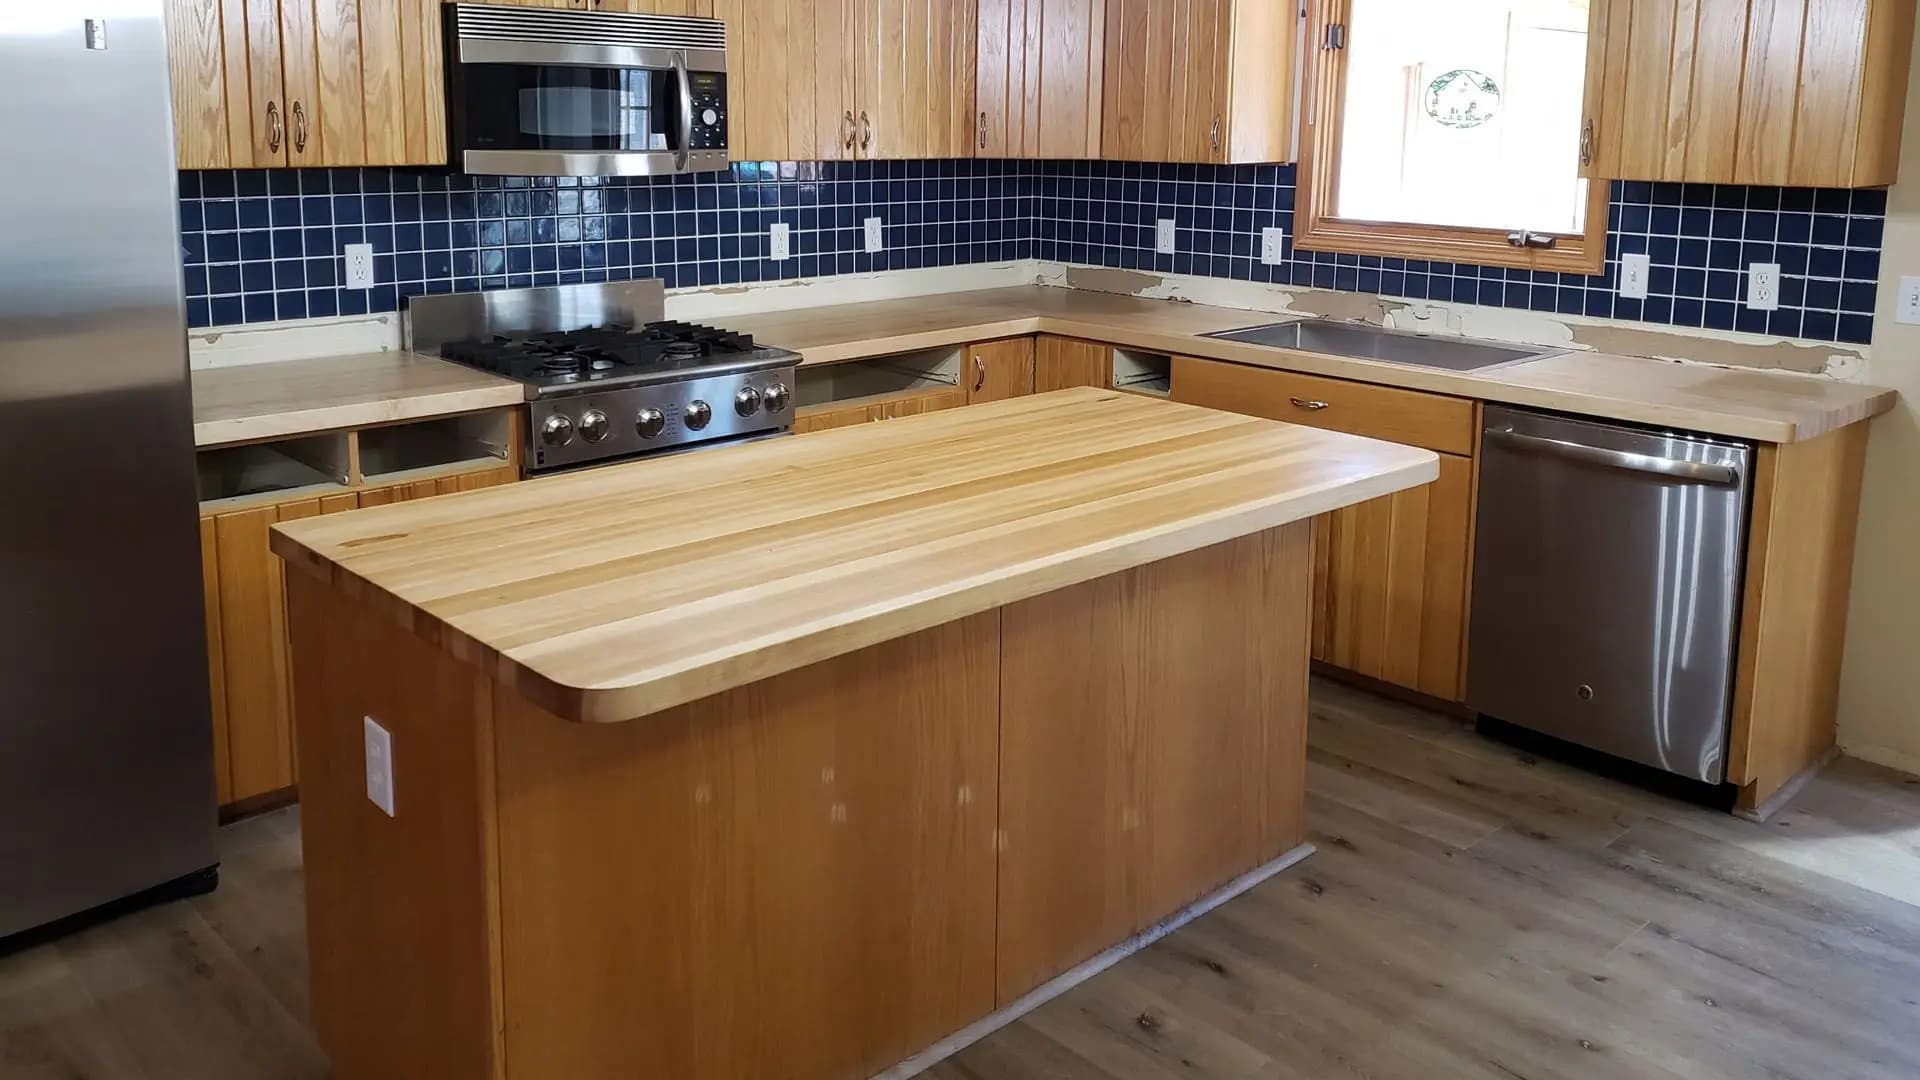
1273 245
1908 309
779 243
379 743
1633 276
876 241
1763 286
359 268
1163 241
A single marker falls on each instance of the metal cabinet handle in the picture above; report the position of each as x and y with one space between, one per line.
299 128
866 131
983 129
979 372
275 129
1586 142
1700 472
846 125
1213 133
1308 404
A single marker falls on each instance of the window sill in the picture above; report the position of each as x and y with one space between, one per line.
1481 247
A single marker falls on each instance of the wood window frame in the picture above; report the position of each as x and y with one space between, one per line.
1316 228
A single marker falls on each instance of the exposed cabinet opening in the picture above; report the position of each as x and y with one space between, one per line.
1142 372
930 370
290 466
391 453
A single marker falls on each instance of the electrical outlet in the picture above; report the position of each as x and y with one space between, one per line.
1273 244
359 259
379 765
1163 236
1633 276
779 244
875 240
1763 286
1908 309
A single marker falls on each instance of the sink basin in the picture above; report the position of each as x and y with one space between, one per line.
1391 346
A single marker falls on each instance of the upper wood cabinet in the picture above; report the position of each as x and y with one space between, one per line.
828 80
1040 64
1799 93
1199 80
262 83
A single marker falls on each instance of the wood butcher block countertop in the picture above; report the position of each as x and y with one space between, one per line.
1760 405
609 594
251 402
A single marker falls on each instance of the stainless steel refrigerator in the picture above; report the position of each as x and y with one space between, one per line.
106 785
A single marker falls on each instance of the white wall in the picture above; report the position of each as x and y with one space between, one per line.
1880 683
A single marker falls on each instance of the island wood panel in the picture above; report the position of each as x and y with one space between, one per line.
1152 744
998 369
1039 78
795 878
402 911
1435 421
1060 362
1793 616
1390 584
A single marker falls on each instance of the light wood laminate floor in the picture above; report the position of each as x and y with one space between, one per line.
1471 912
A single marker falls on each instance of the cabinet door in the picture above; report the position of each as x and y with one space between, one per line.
1164 89
998 369
1060 362
400 98
790 78
253 639
212 101
266 88
1390 584
913 79
216 657
1039 68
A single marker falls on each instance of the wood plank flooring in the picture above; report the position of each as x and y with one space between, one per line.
1471 912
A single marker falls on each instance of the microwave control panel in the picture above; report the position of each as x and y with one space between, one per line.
709 110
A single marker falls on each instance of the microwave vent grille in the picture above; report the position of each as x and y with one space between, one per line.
484 23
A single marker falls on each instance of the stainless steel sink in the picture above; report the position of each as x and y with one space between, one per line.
1390 346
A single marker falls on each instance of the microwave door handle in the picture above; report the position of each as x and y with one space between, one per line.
684 155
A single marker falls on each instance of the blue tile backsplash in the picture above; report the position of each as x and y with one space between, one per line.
261 245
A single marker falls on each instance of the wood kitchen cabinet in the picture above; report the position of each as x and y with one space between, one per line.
1060 362
1038 81
1199 80
265 83
1792 93
998 369
834 80
1391 574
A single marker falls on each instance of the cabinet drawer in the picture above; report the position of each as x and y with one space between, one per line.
1433 421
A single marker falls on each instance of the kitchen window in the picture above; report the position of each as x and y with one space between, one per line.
1456 132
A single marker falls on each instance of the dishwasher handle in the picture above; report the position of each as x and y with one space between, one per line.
1699 472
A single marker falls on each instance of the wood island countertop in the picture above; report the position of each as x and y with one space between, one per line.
610 594
1750 404
279 399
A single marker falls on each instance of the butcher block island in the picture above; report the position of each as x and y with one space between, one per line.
800 757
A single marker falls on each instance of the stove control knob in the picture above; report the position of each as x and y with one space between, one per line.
557 430
697 415
650 422
593 425
747 401
776 397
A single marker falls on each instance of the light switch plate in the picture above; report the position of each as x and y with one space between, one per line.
1163 236
1273 245
379 764
359 260
1633 276
876 239
1763 286
779 243
1908 309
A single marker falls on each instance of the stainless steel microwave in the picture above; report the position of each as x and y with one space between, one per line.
546 92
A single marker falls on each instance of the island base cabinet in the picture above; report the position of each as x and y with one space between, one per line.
819 874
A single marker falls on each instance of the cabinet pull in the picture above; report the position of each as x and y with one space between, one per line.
846 126
275 129
866 131
299 128
1586 143
1308 404
983 129
979 372
1213 133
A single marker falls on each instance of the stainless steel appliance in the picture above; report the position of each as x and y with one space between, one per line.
546 92
606 375
106 759
1606 586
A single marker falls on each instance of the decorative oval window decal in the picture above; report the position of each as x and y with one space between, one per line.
1463 98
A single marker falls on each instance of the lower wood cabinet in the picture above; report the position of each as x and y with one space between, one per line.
1390 575
994 370
244 591
1060 362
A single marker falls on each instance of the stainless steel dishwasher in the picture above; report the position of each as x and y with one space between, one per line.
1606 586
